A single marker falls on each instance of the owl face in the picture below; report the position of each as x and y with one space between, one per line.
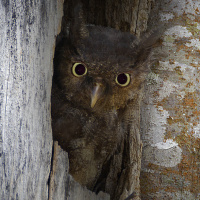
99 68
99 76
99 82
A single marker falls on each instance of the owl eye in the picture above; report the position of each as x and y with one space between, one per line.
123 79
79 69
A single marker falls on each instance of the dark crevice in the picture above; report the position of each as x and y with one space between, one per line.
124 162
138 10
51 169
132 196
100 185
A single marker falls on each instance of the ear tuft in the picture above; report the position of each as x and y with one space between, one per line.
78 29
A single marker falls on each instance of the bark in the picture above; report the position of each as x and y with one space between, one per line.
170 110
27 37
169 114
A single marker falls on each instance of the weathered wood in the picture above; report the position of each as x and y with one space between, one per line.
63 186
27 38
126 15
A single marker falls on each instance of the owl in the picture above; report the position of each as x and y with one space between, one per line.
98 77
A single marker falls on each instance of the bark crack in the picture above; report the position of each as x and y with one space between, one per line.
137 19
49 182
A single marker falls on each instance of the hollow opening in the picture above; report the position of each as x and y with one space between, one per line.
58 110
98 161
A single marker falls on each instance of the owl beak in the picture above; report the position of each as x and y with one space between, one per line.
96 92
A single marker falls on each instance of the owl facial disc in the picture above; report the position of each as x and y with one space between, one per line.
96 93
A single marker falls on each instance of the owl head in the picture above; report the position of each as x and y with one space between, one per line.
99 68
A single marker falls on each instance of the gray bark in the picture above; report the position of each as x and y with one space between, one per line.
170 110
27 36
169 114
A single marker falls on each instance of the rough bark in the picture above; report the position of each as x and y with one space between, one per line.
170 111
27 37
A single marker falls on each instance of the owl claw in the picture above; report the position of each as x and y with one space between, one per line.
96 92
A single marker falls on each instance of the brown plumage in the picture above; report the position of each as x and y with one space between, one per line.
92 92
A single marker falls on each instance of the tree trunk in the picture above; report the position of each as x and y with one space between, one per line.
169 113
27 37
170 110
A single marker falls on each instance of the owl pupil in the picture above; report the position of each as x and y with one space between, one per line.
122 78
80 69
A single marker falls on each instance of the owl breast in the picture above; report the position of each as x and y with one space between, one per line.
88 138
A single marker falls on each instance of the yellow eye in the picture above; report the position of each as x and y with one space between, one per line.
79 69
123 79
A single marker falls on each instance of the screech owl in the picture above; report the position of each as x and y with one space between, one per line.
98 76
